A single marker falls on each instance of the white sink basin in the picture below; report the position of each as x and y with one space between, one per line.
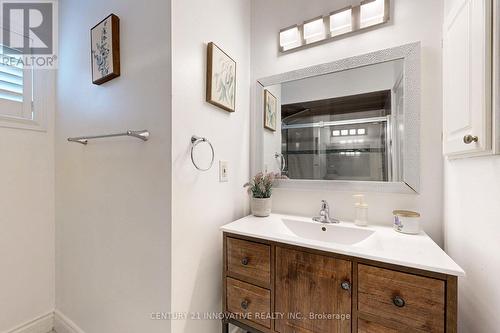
327 232
379 243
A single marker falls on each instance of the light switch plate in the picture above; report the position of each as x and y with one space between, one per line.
223 171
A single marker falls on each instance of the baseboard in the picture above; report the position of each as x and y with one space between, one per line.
63 324
42 324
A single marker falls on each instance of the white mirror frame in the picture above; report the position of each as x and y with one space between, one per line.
410 54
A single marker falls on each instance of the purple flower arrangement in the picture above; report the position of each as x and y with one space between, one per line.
260 186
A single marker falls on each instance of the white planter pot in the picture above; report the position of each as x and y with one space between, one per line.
261 207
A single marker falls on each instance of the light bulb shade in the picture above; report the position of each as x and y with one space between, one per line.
341 22
368 13
372 12
290 38
314 30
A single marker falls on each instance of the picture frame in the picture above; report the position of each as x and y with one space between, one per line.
270 110
105 50
221 78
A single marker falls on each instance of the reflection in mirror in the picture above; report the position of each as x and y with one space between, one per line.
346 125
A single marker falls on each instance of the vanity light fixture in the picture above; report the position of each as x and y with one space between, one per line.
314 30
349 132
341 22
372 12
337 24
351 153
290 38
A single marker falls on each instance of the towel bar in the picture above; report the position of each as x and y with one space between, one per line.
143 135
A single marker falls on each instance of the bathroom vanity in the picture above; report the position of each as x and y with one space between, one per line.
289 274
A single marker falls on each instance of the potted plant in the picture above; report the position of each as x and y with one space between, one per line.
260 187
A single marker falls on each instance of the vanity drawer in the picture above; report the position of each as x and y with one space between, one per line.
415 301
365 326
249 261
251 302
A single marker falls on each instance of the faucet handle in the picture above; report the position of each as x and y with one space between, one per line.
324 214
324 205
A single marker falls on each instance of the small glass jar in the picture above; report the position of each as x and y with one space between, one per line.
406 221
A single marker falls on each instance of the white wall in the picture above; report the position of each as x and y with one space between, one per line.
472 233
113 196
411 21
200 204
27 222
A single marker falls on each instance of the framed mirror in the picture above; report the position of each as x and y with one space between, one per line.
352 124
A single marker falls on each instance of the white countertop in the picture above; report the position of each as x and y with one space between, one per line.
384 244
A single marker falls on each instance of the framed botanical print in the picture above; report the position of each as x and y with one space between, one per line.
221 79
105 46
270 110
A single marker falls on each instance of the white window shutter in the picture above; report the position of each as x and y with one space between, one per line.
15 88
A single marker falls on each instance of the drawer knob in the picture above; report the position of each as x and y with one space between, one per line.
468 139
244 304
346 285
245 261
398 301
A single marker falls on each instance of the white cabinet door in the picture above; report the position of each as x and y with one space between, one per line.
467 79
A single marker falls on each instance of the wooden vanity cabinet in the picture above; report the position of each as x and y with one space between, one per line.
272 287
311 284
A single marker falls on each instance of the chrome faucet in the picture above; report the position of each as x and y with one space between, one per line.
324 214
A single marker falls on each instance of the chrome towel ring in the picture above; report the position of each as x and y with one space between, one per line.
196 140
282 160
